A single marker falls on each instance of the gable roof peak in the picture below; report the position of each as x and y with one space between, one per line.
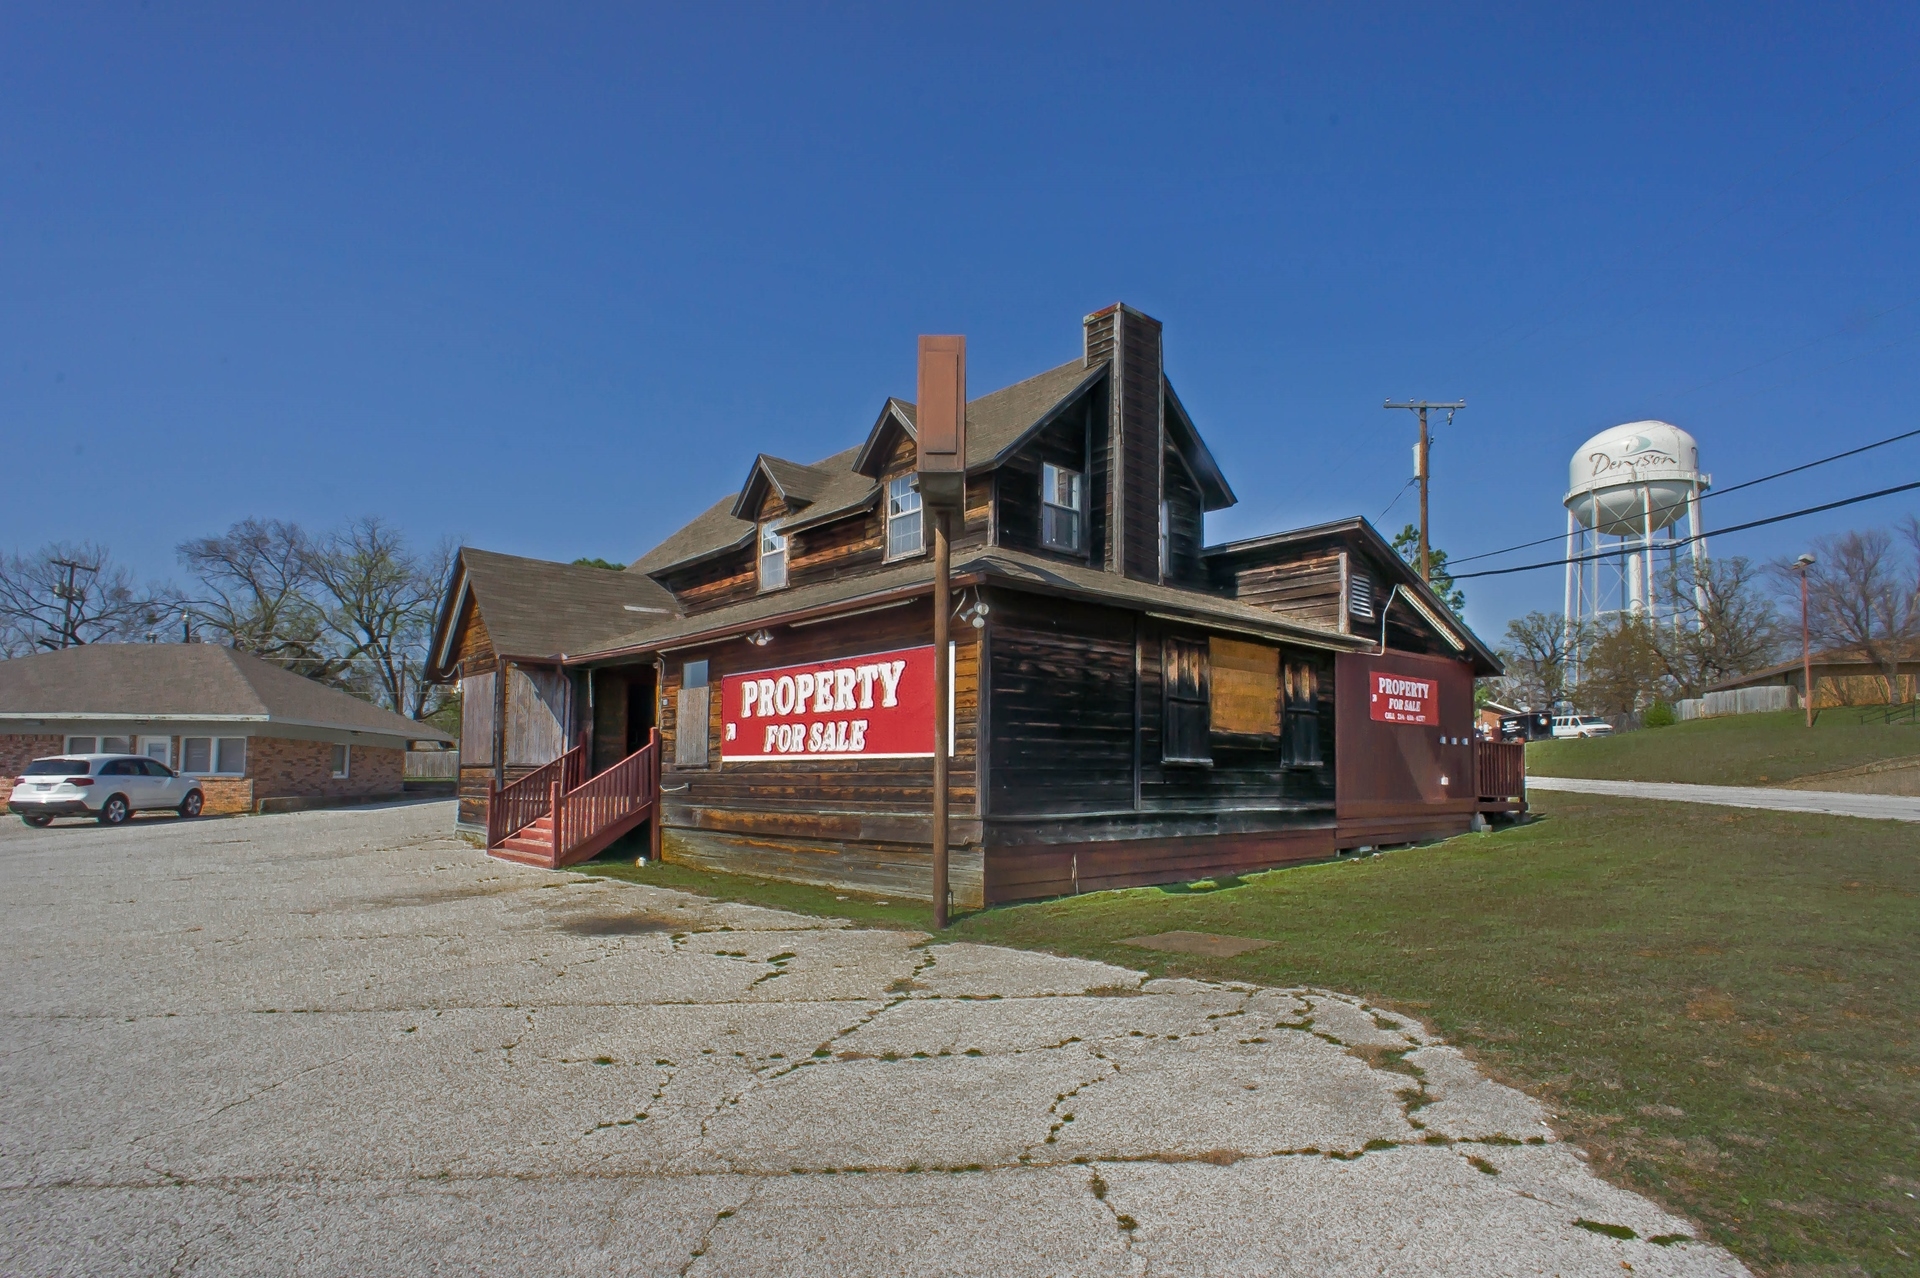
798 484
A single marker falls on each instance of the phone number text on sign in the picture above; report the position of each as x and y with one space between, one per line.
878 706
1398 699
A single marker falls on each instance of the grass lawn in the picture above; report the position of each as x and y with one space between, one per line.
1747 749
1720 1005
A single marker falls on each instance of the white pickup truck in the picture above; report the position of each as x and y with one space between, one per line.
1580 725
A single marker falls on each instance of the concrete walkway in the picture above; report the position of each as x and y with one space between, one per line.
1879 807
339 1043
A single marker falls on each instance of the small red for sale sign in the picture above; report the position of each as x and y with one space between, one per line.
1403 699
878 706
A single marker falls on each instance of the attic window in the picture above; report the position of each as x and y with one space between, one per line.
773 557
1360 596
904 525
1062 507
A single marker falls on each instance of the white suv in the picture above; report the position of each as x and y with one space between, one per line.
1580 725
107 787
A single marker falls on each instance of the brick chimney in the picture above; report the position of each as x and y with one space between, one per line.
1136 434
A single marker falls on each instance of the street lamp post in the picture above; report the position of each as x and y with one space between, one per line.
1803 563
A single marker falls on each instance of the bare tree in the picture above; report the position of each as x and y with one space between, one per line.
66 595
378 610
1623 670
1863 596
1538 655
257 592
1723 625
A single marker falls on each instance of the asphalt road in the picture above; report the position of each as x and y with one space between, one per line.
1880 807
341 1043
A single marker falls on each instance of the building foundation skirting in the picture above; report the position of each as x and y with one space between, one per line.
904 871
1025 873
1375 831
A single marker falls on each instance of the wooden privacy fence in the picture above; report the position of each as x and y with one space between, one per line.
432 765
1500 769
514 807
1761 700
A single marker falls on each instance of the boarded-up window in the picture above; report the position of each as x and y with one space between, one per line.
1184 670
1246 687
690 728
1302 742
476 720
536 716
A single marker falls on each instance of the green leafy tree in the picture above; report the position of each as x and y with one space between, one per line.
597 562
1407 542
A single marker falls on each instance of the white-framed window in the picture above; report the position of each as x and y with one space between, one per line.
1062 507
905 527
773 557
213 756
99 745
342 757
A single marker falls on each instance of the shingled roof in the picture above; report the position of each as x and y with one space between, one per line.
535 608
836 485
173 681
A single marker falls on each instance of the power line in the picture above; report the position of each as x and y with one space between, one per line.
1712 492
1684 541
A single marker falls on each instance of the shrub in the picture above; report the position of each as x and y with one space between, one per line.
1659 715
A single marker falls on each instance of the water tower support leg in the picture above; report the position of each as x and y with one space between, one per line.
1699 546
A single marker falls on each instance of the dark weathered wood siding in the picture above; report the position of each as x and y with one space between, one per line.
1077 798
861 823
1304 588
1185 524
1062 708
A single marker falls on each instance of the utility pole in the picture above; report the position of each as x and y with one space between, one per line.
1803 563
68 598
1421 406
940 465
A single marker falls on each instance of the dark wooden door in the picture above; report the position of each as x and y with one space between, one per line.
642 706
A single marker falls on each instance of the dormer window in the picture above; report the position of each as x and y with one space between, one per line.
1062 507
773 557
905 534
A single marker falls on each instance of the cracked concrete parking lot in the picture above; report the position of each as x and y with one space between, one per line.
344 1043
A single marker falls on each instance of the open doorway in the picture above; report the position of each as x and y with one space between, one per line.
624 712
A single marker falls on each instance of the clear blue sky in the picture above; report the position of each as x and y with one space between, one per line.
544 278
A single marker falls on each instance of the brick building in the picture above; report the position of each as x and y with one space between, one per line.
258 737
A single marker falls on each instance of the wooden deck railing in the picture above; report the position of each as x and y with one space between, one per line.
1500 768
517 805
628 788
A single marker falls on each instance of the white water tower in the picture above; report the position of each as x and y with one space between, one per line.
1631 488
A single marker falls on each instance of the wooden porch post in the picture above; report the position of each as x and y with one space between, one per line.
654 836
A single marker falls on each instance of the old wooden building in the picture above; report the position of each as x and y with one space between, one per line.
1129 704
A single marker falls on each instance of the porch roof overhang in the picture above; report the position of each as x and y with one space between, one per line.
987 567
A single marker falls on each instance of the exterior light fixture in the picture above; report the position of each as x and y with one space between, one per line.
760 638
974 614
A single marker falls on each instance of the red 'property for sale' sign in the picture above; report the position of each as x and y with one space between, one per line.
1403 699
879 706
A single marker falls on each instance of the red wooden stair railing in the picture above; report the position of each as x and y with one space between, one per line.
577 817
513 807
1500 771
596 812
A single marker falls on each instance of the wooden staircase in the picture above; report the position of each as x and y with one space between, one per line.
556 816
